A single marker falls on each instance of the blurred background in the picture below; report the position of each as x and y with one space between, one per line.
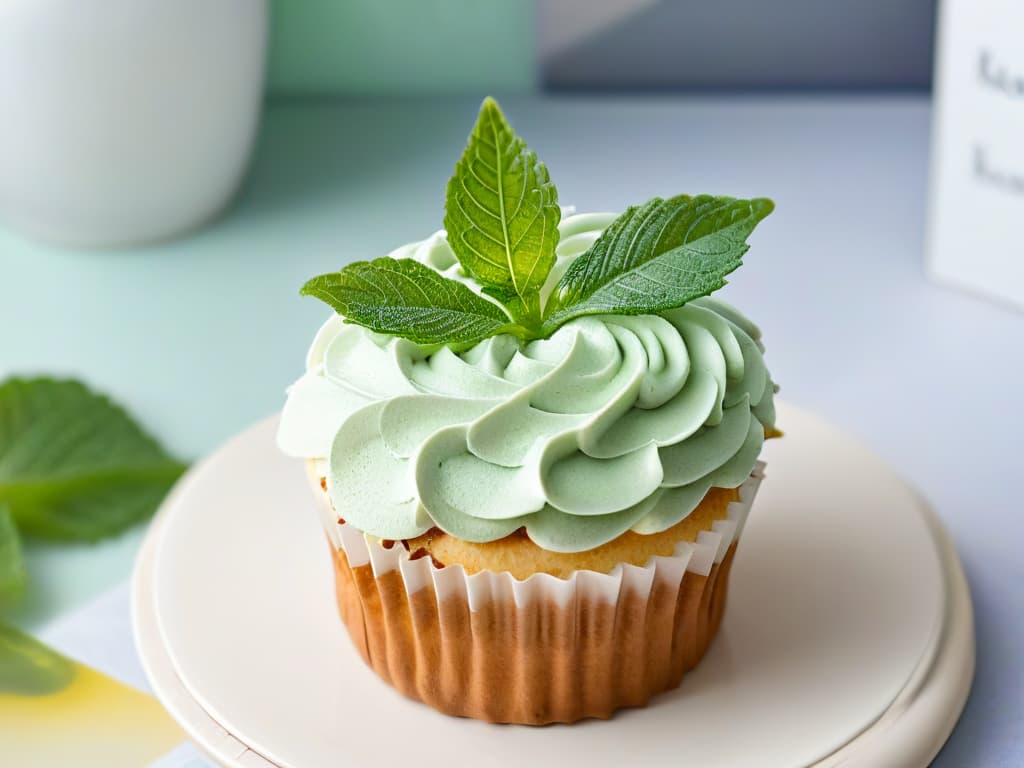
171 173
607 46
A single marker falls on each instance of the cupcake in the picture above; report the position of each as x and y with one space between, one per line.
533 439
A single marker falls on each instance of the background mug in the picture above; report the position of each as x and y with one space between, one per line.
125 121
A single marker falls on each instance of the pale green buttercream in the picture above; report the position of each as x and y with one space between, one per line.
614 423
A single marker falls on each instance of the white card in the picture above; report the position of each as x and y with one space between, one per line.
976 216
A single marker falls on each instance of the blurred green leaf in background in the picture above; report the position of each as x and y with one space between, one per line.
74 466
12 565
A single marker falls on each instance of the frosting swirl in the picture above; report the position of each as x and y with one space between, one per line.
613 423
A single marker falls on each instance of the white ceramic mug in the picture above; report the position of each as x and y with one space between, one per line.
125 121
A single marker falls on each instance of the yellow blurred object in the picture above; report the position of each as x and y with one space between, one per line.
54 712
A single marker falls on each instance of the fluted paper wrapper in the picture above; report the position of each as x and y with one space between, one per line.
539 650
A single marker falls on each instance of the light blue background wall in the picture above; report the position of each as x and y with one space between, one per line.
389 47
751 44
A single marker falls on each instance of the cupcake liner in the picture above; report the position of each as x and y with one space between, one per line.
539 650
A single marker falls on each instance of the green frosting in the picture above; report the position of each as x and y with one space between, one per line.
614 423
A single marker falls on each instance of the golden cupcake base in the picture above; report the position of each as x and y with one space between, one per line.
536 663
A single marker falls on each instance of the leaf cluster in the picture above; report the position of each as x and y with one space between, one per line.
501 216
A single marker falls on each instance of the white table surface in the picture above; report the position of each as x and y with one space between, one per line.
200 336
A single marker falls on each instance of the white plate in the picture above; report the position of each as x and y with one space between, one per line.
848 637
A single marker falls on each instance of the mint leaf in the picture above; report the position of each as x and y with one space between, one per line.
657 256
73 465
12 567
501 214
29 668
403 297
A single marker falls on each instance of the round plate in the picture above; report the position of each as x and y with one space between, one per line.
848 634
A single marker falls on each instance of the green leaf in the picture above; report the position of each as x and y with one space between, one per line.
74 465
403 297
501 214
29 668
12 567
657 256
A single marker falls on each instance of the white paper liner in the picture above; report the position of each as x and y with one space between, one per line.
537 650
484 586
